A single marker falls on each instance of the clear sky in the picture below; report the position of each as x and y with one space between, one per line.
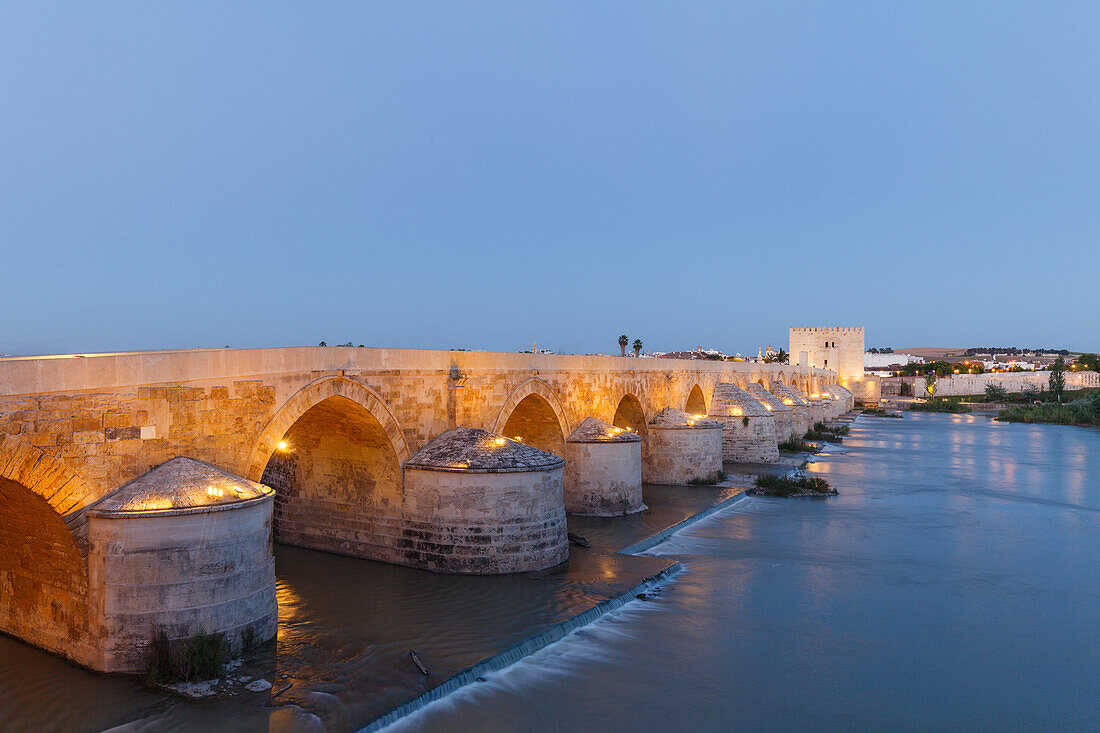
483 175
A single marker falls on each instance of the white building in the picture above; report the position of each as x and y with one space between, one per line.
885 361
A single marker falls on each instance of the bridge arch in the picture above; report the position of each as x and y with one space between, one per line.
534 413
50 478
696 402
334 456
629 413
43 573
312 395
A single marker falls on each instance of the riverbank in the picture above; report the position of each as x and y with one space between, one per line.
1079 412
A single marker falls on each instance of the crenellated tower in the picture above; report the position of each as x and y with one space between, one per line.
838 348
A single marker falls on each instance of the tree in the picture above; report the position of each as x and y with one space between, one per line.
322 344
637 346
1089 361
779 357
996 393
1057 379
930 385
623 341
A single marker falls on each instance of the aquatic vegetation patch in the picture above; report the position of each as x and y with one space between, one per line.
798 445
877 412
822 432
952 406
1085 411
795 484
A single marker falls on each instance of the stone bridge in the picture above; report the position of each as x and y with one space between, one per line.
330 428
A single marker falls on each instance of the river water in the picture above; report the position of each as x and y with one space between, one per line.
953 585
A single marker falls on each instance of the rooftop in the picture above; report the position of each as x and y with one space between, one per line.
597 431
178 486
768 399
731 401
670 418
474 450
785 393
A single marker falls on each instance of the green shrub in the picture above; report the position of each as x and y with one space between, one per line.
797 445
248 639
822 432
951 405
793 485
199 657
1084 411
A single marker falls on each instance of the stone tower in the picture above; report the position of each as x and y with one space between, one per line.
839 349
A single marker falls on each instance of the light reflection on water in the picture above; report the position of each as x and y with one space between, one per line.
952 585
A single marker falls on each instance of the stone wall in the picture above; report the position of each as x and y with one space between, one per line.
749 439
43 580
681 455
975 384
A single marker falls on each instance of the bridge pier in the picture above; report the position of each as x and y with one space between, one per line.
800 408
784 423
476 502
184 549
603 470
748 430
683 447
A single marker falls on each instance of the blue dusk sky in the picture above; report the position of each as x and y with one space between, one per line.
482 175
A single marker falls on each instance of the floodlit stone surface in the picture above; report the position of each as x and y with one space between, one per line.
784 422
683 447
817 406
748 429
800 408
603 470
184 549
477 502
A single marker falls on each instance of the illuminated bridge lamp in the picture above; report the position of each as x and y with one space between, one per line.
283 446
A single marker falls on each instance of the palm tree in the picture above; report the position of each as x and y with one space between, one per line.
623 341
637 345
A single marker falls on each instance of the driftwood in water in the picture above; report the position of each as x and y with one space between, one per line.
416 660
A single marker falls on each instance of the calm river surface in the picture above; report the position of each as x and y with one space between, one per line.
953 585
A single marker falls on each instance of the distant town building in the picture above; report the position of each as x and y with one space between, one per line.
698 353
536 350
896 359
994 365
